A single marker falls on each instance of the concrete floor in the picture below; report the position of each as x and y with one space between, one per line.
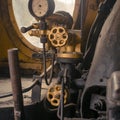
5 87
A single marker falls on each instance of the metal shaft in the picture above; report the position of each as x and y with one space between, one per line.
62 101
16 84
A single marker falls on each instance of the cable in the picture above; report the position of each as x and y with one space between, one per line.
103 12
31 86
44 65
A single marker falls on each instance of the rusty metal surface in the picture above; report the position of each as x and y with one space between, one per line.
10 37
107 56
15 77
91 12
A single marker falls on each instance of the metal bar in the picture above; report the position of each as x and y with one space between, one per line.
16 84
31 86
36 90
62 94
62 101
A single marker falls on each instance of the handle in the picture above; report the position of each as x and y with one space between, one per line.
25 29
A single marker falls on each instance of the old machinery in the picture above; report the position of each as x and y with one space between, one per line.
64 44
64 41
87 83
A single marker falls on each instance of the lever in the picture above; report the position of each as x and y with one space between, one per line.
25 29
33 26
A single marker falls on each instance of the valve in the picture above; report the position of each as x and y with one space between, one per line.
58 36
54 93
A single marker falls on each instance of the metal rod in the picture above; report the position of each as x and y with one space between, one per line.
62 100
62 94
31 86
16 84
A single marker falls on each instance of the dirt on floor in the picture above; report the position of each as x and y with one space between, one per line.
6 88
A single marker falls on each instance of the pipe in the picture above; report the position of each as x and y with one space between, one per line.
16 84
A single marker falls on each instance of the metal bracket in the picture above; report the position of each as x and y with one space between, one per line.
36 91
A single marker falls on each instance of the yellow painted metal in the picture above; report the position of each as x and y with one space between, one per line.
91 12
10 37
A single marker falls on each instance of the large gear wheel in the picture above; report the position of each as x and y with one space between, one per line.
58 36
